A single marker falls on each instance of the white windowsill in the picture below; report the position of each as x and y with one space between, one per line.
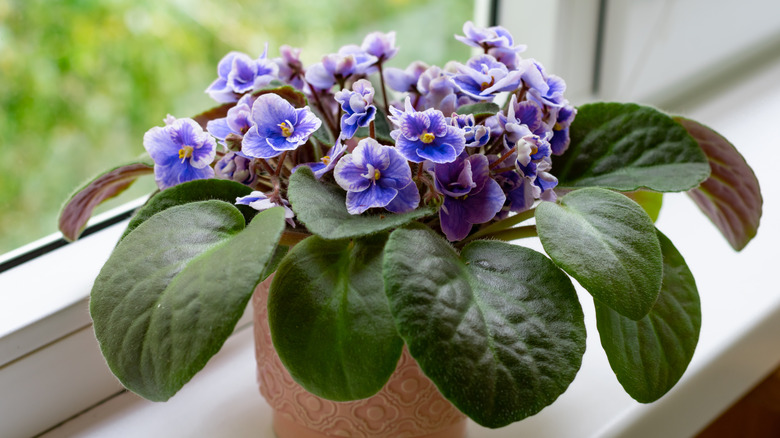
737 348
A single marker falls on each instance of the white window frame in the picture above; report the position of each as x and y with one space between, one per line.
50 367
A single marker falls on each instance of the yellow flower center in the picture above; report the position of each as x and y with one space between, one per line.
427 138
557 127
185 152
486 85
326 159
377 174
287 129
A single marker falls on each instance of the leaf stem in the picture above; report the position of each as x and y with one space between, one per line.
291 238
515 233
501 225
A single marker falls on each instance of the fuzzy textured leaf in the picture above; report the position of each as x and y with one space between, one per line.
650 355
192 191
329 317
731 196
323 209
78 209
626 147
498 328
608 243
172 291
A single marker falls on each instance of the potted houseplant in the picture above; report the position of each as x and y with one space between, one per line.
372 207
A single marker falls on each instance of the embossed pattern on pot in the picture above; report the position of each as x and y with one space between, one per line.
409 406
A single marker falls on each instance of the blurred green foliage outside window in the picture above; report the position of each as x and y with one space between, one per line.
82 80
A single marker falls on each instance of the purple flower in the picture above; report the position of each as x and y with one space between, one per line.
350 60
494 40
524 129
237 122
235 168
405 80
182 151
259 201
372 175
357 106
563 118
290 67
546 90
470 195
328 162
476 135
381 45
483 76
278 127
425 135
238 74
437 91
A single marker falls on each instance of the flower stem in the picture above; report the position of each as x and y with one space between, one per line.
503 157
325 114
384 89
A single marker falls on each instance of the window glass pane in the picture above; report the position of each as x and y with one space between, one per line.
82 80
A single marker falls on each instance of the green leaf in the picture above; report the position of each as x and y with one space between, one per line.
731 196
480 110
650 355
78 209
608 243
650 202
626 147
329 318
323 209
498 329
172 291
192 191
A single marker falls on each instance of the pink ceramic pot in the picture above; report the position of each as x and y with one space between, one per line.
408 406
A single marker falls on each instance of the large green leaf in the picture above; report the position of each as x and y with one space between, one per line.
323 209
192 191
650 355
498 329
608 243
329 318
731 196
172 291
78 209
626 147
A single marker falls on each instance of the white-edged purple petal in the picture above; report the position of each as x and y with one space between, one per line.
396 173
408 199
271 110
374 196
349 176
219 128
255 145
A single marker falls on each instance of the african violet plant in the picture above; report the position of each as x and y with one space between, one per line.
386 220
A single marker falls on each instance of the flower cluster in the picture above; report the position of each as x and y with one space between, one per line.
473 139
